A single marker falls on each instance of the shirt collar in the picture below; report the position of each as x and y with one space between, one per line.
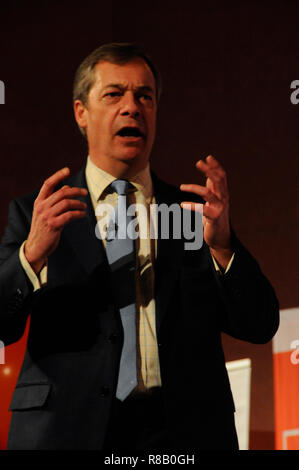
98 180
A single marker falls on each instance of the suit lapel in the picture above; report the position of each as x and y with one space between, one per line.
169 255
81 233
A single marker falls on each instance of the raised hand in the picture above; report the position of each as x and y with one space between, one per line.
216 224
51 212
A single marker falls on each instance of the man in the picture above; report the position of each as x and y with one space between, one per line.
81 344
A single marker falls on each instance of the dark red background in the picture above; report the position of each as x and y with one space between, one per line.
227 70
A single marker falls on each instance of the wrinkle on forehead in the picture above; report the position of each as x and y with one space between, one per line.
135 74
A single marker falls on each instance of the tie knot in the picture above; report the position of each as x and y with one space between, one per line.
121 187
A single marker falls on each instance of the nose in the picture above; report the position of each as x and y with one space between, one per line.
130 106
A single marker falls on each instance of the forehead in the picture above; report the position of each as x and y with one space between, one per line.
134 73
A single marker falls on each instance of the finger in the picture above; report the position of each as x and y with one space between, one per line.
212 212
210 163
64 193
213 170
202 191
57 223
193 206
67 205
213 163
50 183
215 189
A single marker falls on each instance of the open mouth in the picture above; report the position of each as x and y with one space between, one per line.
130 133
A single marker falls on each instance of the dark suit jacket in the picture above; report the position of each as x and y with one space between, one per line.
69 375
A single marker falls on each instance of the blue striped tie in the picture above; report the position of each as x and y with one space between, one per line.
121 254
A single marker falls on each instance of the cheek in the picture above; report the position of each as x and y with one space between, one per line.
107 123
101 125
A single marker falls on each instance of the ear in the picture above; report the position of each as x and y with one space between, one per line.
80 112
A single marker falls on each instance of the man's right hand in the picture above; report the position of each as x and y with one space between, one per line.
51 212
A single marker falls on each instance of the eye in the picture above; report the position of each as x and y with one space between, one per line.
112 95
146 97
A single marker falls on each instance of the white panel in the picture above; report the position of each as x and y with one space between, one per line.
239 373
286 434
288 330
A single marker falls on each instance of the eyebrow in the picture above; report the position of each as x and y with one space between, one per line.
146 88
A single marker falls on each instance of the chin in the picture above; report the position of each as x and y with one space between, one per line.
134 161
131 154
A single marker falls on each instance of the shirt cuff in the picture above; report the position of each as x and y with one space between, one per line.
228 266
36 281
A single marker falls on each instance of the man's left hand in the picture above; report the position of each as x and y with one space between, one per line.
216 224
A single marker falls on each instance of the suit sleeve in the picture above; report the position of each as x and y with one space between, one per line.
251 307
15 287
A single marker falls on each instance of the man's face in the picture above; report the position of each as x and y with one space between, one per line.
120 115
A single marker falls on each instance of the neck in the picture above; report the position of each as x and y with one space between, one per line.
118 168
